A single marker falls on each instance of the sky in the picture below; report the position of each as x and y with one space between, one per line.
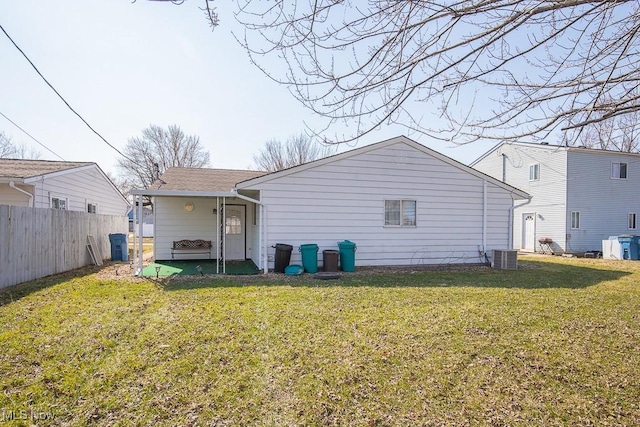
124 66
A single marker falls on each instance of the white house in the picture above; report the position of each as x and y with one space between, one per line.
399 201
579 196
74 186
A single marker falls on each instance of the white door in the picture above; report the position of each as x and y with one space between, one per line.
528 232
234 233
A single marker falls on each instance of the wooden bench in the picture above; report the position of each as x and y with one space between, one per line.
191 247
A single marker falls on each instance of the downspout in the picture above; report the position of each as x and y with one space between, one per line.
510 228
484 220
29 195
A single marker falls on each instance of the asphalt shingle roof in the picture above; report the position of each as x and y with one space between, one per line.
19 168
202 179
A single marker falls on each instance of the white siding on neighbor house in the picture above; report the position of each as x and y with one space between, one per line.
80 188
548 192
173 223
604 203
344 200
10 196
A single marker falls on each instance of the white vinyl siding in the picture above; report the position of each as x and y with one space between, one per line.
548 194
342 200
80 188
173 223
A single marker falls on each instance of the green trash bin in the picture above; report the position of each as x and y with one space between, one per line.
347 255
309 257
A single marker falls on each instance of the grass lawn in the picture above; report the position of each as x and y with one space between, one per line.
554 343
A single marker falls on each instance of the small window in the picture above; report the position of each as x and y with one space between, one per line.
234 225
534 172
92 208
618 170
400 213
632 221
575 220
58 203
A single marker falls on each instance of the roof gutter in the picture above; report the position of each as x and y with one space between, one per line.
12 184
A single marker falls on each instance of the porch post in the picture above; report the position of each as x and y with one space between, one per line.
263 220
217 235
224 235
141 235
134 214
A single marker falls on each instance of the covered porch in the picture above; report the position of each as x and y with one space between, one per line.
227 230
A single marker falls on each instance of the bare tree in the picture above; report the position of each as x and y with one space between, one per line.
156 150
7 150
16 151
499 69
620 133
298 149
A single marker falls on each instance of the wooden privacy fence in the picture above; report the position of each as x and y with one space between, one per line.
37 242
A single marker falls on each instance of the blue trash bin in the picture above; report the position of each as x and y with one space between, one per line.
347 255
629 247
309 257
119 247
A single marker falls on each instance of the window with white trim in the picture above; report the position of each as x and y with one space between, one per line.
575 220
618 170
534 172
58 203
400 213
631 221
92 208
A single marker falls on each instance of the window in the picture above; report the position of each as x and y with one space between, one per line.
58 203
618 170
534 172
92 208
575 220
234 225
632 221
400 213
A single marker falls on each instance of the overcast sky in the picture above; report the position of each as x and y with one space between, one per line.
124 66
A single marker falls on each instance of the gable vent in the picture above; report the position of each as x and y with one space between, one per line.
504 259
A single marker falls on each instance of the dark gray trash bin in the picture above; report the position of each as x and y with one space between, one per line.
283 257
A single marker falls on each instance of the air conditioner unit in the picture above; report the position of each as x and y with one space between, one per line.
504 259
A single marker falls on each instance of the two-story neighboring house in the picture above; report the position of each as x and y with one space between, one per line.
579 196
74 186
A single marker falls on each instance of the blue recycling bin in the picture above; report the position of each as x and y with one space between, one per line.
629 247
119 247
347 255
309 257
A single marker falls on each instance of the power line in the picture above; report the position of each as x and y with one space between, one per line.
29 135
60 96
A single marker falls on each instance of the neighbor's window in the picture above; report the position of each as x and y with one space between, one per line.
92 208
632 221
575 220
534 172
618 170
58 203
400 213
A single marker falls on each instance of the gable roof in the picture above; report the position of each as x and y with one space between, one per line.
25 169
202 179
400 139
552 147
